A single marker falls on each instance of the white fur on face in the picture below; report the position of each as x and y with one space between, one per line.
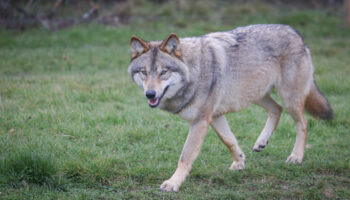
138 80
174 83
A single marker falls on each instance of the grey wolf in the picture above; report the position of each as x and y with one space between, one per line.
203 78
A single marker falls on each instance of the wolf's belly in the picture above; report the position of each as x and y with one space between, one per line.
238 96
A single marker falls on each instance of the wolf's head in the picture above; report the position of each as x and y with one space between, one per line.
158 68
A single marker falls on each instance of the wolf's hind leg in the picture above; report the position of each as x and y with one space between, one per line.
274 113
301 125
222 128
295 85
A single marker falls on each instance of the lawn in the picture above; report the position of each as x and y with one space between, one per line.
74 126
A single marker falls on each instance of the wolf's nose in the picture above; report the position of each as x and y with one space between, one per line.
151 94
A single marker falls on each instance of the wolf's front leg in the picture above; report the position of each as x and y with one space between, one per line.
189 153
222 128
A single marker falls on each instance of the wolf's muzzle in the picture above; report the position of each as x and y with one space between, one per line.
150 94
152 100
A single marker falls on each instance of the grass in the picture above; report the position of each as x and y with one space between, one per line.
74 126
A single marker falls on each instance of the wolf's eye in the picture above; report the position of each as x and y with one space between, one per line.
163 72
144 72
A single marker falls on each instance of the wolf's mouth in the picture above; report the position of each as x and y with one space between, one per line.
155 102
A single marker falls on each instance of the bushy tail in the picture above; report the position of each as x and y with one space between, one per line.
317 105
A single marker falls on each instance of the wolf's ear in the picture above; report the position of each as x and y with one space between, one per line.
137 46
171 45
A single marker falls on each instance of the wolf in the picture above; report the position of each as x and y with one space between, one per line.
203 78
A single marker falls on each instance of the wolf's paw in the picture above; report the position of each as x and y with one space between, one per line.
259 146
169 186
238 165
294 158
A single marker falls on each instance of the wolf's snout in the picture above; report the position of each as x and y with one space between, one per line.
150 94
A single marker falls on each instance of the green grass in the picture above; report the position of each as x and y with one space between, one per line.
74 126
